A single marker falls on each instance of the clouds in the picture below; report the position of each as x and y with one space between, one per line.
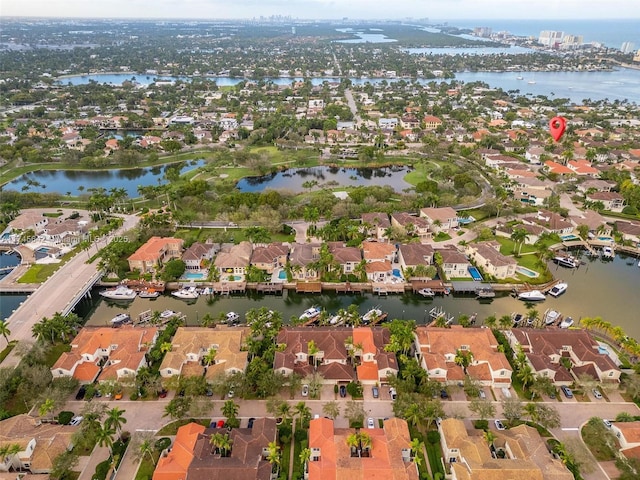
379 9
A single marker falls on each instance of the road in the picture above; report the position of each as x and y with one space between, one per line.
55 294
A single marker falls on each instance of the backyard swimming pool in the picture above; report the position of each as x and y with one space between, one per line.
475 274
526 272
194 276
43 250
282 275
568 238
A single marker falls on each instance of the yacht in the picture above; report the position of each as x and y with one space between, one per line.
531 82
427 292
373 314
232 318
151 293
519 77
310 313
607 252
551 317
558 289
337 320
517 318
120 319
566 322
119 293
568 261
485 293
167 314
532 296
186 293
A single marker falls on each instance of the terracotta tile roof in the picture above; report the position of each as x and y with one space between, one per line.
406 219
174 465
197 251
493 256
416 254
346 254
304 253
452 256
236 256
372 267
376 219
269 253
150 251
377 251
442 213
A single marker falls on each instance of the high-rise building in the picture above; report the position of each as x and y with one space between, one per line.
627 47
482 31
550 38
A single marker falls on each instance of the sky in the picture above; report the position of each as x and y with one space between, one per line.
325 9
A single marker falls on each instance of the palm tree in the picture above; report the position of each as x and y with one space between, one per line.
531 410
489 437
414 415
491 321
216 441
104 438
146 449
526 375
165 347
207 320
155 318
210 356
4 330
273 456
519 236
283 411
47 406
303 412
505 321
7 451
115 419
331 409
416 447
305 456
230 409
312 351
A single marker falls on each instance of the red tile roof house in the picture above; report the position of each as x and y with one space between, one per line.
630 231
375 364
436 349
122 349
488 257
454 263
440 219
154 253
612 201
270 257
198 256
628 434
388 457
233 259
410 255
302 258
347 257
377 223
332 361
544 349
411 225
551 221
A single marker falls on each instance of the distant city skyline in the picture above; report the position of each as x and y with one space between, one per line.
326 9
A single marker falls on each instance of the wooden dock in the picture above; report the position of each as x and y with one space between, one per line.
142 285
436 285
308 287
387 288
227 288
275 288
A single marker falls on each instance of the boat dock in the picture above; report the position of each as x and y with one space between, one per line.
435 285
275 288
143 285
471 287
438 313
387 288
544 288
308 287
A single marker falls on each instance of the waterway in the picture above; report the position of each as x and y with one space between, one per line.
470 50
620 84
77 182
9 302
294 179
598 288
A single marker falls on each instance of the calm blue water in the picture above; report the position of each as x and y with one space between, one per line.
610 32
470 50
63 181
9 302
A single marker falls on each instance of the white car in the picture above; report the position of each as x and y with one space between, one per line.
597 394
393 393
75 421
305 390
499 425
370 423
607 423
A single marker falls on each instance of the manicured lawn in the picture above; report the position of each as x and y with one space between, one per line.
7 351
507 247
434 452
39 273
172 428
54 352
595 436
441 237
145 472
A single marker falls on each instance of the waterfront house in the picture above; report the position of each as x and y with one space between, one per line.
487 256
198 256
440 219
376 224
379 271
437 348
550 221
410 255
270 257
306 350
378 252
71 231
519 452
411 225
347 257
454 264
104 353
630 231
388 457
546 348
155 253
234 259
595 222
40 444
29 221
533 232
612 201
302 261
190 346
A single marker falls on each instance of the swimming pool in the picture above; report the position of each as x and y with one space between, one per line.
396 273
605 239
193 276
43 250
282 275
475 274
566 238
526 272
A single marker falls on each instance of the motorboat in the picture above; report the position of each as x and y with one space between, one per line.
120 319
485 293
337 320
558 289
517 318
310 313
232 318
119 293
427 292
607 252
371 315
167 314
551 317
186 293
566 322
149 294
519 77
567 262
532 296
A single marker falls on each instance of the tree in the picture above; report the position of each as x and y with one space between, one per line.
303 412
482 407
47 407
115 419
354 412
273 456
4 330
512 409
331 409
519 236
144 448
545 415
230 409
526 375
305 456
177 408
210 357
104 438
173 269
63 465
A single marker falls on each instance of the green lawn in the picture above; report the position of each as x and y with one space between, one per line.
7 351
39 273
507 247
54 352
172 428
595 436
145 471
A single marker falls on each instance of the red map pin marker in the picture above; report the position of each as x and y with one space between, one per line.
557 126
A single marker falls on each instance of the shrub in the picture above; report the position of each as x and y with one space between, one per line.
162 443
354 389
481 424
65 417
433 437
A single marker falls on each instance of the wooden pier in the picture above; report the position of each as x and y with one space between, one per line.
436 285
275 288
308 287
387 288
227 288
142 285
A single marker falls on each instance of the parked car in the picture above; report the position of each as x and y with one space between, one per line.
220 424
482 395
499 425
343 391
118 396
375 392
444 394
230 394
250 422
606 422
596 393
81 393
209 393
76 420
393 393
567 392
163 393
370 423
305 390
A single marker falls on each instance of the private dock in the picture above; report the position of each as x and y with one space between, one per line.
436 285
308 287
275 288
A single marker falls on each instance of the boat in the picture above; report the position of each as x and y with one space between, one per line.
639 263
149 294
531 82
551 317
372 315
517 318
558 289
119 293
186 293
566 322
167 314
532 296
120 319
485 293
336 320
519 77
232 318
607 251
427 292
568 261
310 313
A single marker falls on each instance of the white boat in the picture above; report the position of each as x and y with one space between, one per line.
231 318
519 77
532 296
639 263
310 313
517 318
119 293
566 322
531 82
120 319
485 293
427 292
568 261
371 315
336 320
167 314
149 294
607 252
551 317
558 289
186 293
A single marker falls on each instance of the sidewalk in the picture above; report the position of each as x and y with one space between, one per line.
99 454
